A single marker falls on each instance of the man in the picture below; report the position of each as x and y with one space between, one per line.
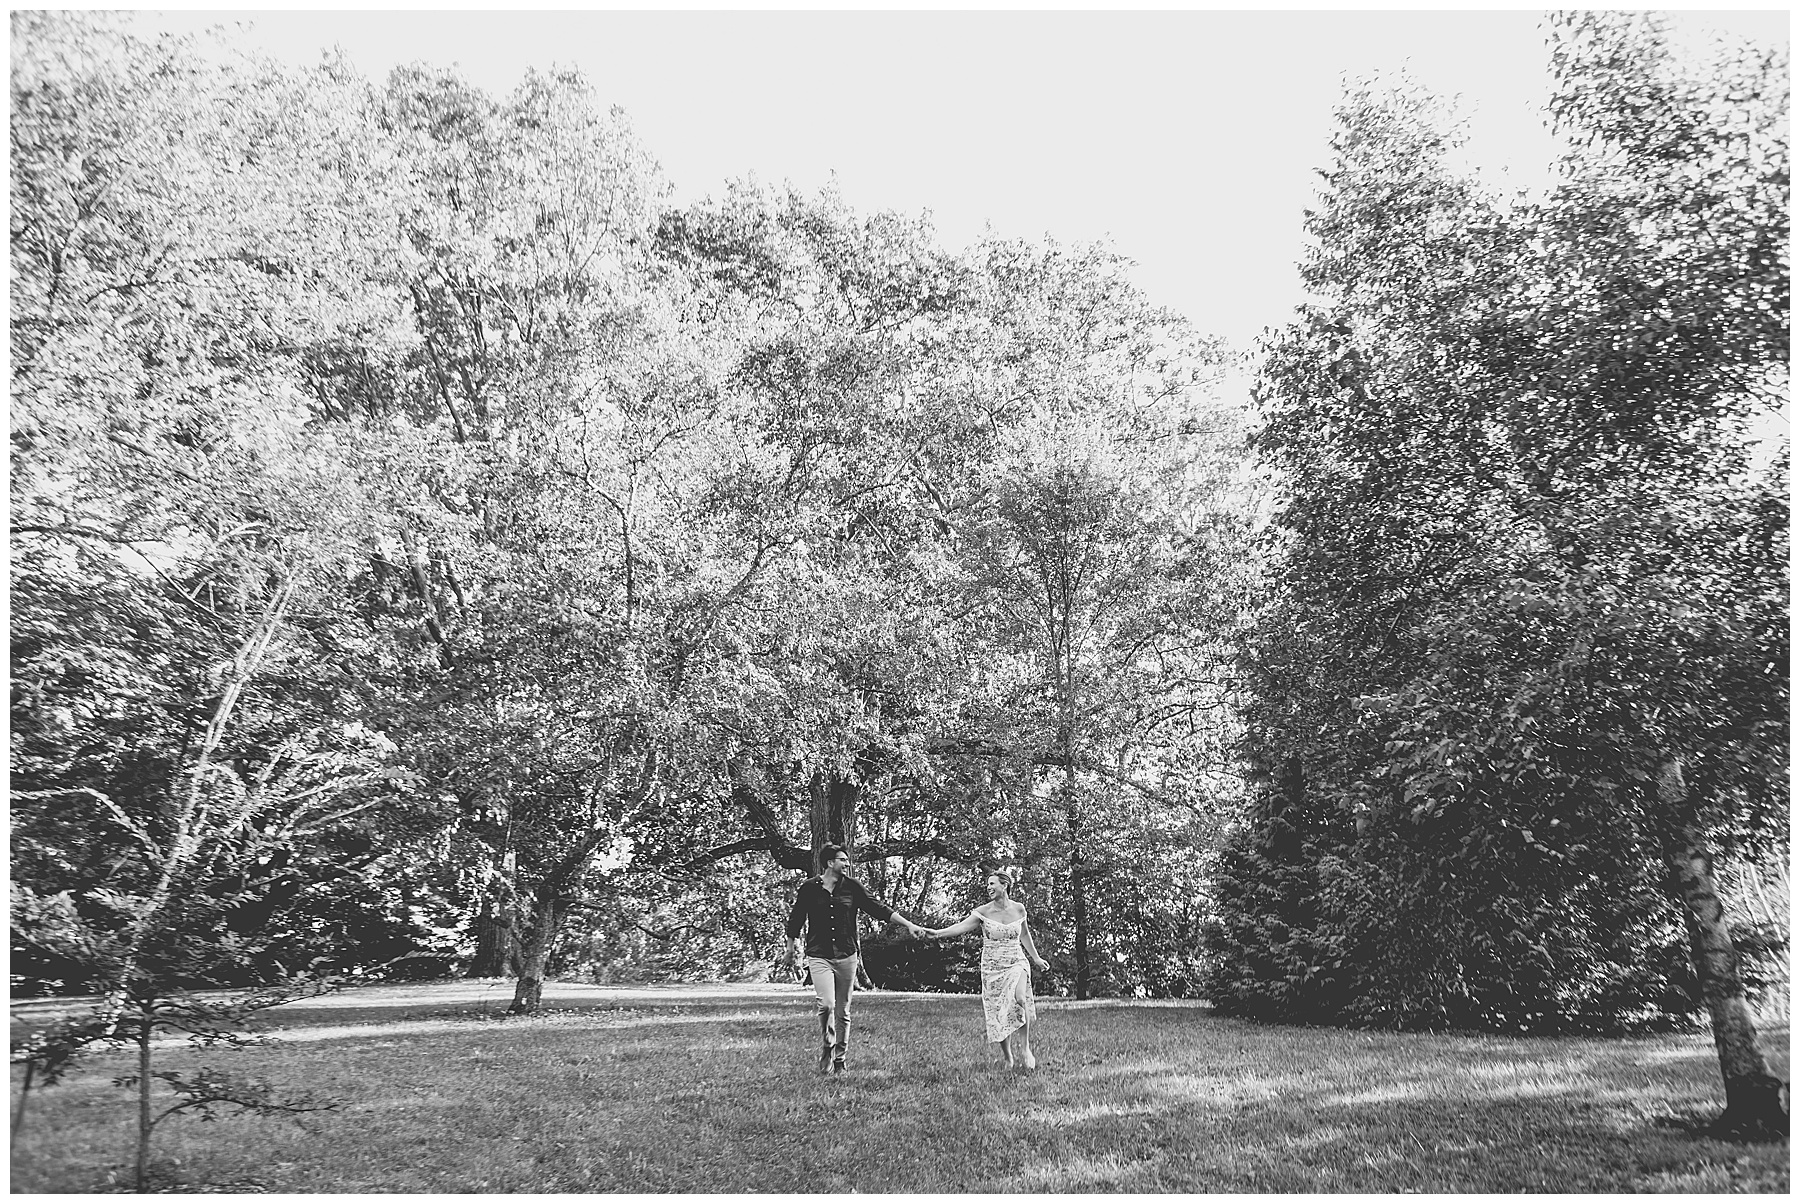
826 907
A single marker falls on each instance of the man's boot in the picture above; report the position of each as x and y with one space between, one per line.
825 1040
841 1054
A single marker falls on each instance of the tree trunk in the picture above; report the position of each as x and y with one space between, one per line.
419 570
145 1123
561 889
534 952
841 798
496 948
19 1112
818 816
1754 1107
831 812
1077 887
927 880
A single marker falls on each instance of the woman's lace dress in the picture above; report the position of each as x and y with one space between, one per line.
1005 979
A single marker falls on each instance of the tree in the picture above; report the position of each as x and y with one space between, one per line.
650 540
1094 549
1386 585
170 916
1683 171
526 280
1527 571
183 231
848 335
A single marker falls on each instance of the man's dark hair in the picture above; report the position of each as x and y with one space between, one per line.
828 851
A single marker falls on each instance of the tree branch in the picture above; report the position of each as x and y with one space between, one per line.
668 934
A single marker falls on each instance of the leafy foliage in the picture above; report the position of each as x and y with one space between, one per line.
1530 556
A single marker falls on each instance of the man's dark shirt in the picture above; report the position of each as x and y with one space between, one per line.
830 916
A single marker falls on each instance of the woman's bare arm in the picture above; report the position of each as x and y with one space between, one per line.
971 924
1031 946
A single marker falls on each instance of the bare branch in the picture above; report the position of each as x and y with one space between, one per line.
118 814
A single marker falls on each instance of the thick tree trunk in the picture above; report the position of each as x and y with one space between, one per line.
534 952
841 798
1754 1105
831 812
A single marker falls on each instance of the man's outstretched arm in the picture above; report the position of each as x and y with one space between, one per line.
881 911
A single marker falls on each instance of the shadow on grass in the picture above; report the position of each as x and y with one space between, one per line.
1256 1109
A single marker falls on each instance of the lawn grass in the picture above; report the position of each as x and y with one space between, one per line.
707 1093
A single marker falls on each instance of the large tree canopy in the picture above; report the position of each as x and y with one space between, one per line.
564 561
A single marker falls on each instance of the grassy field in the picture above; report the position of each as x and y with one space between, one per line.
695 1090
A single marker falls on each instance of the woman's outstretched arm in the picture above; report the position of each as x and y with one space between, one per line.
972 924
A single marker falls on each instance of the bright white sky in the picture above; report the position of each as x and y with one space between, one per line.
1189 139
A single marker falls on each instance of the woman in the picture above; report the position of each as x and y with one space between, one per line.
1006 948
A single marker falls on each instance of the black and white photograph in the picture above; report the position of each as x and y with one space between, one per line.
940 601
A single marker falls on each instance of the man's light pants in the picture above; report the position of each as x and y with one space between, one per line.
835 981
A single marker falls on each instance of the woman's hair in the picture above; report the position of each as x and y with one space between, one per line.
1008 875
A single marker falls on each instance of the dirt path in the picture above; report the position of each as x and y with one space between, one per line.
369 1002
496 993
